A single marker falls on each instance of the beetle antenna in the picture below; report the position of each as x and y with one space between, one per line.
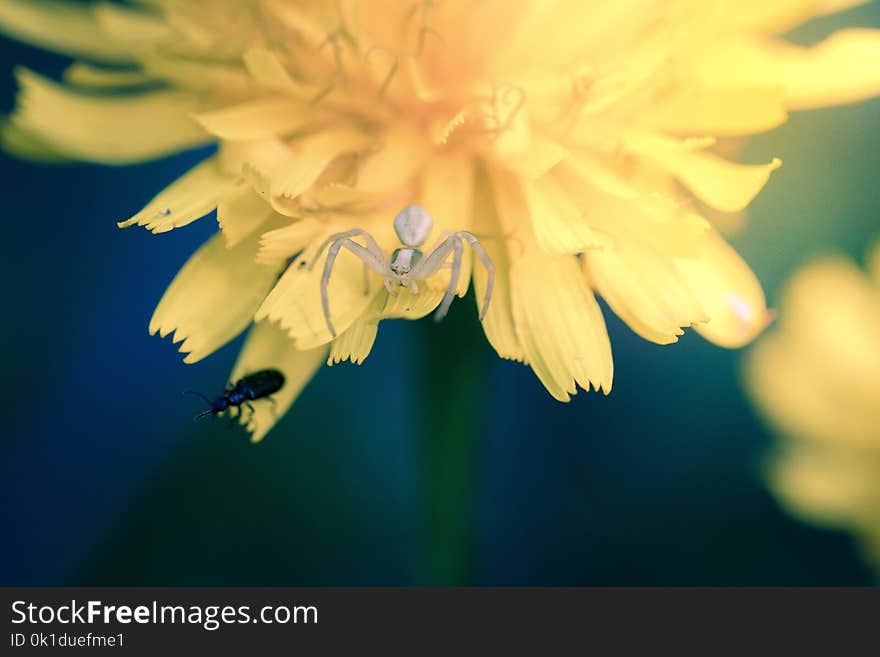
198 417
197 394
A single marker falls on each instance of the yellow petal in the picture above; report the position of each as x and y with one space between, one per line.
670 227
190 197
392 165
730 112
269 347
309 157
213 298
541 156
106 130
874 263
840 69
498 323
556 317
139 31
295 302
560 226
357 341
728 292
724 185
401 155
645 290
301 165
25 145
407 305
261 155
81 74
278 245
258 119
830 311
829 486
240 212
193 74
448 195
781 15
560 325
267 70
69 28
805 394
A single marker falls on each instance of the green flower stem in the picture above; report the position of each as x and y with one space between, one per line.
454 398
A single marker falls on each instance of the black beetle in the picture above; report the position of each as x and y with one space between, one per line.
258 385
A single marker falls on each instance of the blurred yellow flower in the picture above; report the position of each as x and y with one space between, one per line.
575 139
816 378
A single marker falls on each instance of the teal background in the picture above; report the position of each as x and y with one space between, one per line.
434 462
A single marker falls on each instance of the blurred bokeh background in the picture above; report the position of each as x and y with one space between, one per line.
434 462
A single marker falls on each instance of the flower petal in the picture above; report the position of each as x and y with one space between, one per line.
560 226
26 145
240 212
402 155
278 245
265 118
197 75
269 347
407 305
840 69
540 156
190 197
357 341
556 317
782 15
106 130
69 28
728 292
448 195
213 298
645 290
830 311
724 185
560 325
498 323
648 216
803 395
295 301
874 262
267 70
81 74
300 166
729 112
835 487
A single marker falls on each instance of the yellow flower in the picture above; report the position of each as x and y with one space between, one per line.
816 378
575 139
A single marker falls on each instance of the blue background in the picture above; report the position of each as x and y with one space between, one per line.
104 479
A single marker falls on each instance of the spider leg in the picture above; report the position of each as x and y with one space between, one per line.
354 232
431 263
435 260
370 259
487 263
457 249
390 288
444 235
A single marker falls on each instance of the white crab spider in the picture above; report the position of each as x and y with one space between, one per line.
407 264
